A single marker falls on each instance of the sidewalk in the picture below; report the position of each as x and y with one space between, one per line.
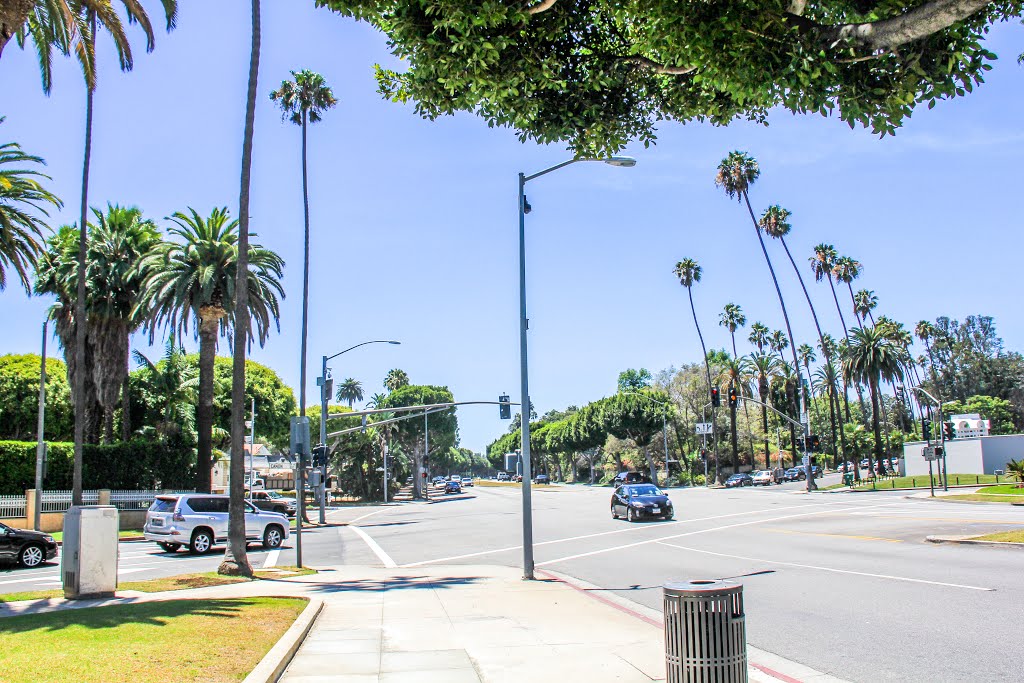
449 624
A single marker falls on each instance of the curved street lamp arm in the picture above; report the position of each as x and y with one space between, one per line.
375 341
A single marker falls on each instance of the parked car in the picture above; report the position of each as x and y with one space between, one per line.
452 487
200 520
542 479
467 481
27 548
631 478
641 501
817 471
865 463
796 474
739 479
274 502
764 478
502 476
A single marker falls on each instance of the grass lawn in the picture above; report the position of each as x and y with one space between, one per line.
1003 536
170 583
174 640
983 498
1005 490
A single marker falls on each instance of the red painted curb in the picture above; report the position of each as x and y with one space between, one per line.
654 622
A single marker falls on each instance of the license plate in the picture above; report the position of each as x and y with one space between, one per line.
656 510
157 522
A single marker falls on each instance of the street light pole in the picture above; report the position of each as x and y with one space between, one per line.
524 372
942 439
40 435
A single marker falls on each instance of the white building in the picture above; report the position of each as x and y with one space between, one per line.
977 455
969 425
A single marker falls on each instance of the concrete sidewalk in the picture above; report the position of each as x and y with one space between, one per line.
449 624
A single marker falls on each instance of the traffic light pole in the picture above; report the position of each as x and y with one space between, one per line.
942 437
325 390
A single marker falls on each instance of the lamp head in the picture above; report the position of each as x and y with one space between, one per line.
623 162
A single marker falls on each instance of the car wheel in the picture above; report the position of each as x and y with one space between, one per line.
169 547
668 517
615 515
272 537
201 543
31 556
630 515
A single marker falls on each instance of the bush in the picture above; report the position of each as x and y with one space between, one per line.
123 465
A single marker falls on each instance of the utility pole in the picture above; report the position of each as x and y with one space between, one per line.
40 435
252 448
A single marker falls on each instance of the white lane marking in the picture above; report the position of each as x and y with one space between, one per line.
698 531
369 514
39 578
271 559
377 550
827 569
604 533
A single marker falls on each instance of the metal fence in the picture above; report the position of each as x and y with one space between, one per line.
60 501
136 500
12 506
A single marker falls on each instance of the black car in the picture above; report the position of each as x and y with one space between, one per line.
631 478
452 487
739 479
542 479
641 501
796 474
27 548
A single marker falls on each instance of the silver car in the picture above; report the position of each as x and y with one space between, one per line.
200 521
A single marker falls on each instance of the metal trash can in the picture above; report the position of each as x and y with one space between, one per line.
705 632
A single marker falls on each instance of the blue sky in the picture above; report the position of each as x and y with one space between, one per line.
414 222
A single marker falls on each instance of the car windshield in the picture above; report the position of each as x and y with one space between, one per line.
645 491
163 505
274 494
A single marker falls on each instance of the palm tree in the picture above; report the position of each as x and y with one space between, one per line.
172 383
688 272
21 230
733 372
785 390
864 301
824 382
732 318
302 101
377 401
350 390
846 270
236 560
735 175
194 278
869 358
759 335
764 366
395 379
778 342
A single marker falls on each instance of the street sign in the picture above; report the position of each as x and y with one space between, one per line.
703 427
928 452
807 460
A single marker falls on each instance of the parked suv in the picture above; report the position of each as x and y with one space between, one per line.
200 521
273 501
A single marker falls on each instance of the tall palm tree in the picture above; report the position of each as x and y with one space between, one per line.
785 382
689 272
302 102
733 372
825 382
194 278
775 222
21 197
351 390
88 16
759 335
805 352
778 342
173 384
865 301
377 401
871 357
395 379
846 270
736 173
732 318
764 366
236 559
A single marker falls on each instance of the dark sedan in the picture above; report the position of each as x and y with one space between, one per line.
453 487
27 548
739 479
796 474
641 501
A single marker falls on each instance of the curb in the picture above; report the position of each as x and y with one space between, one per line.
967 540
280 656
949 499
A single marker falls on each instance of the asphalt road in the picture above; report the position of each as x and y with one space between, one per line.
844 583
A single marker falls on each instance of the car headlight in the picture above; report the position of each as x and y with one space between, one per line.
48 539
637 504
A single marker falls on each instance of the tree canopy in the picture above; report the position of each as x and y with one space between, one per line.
601 73
19 398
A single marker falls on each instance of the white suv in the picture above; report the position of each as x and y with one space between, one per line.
200 520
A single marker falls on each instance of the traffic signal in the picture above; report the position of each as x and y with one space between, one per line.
733 397
703 454
504 407
948 431
926 430
319 455
815 444
715 401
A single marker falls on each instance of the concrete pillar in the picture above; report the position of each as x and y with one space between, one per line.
104 497
32 499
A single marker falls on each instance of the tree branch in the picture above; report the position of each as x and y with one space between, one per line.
542 7
657 68
916 24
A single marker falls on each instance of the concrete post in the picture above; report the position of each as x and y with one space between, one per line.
32 502
104 497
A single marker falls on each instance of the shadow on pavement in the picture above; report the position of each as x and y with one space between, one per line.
368 526
451 498
397 583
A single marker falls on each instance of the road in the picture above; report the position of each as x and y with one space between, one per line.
844 583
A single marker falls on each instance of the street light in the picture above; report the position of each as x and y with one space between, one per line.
326 384
622 162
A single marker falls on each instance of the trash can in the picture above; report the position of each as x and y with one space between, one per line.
705 632
848 479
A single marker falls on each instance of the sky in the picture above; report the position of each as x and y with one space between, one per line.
414 222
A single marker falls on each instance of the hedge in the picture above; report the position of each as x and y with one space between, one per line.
137 464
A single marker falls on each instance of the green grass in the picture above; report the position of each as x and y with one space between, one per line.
171 583
982 498
1004 490
1003 537
124 533
173 640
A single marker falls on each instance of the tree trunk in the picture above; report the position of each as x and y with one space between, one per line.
126 409
832 421
108 424
707 371
80 319
209 321
236 559
732 434
652 467
764 424
13 15
873 388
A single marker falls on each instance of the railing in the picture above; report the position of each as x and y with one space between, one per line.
60 501
12 506
137 500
